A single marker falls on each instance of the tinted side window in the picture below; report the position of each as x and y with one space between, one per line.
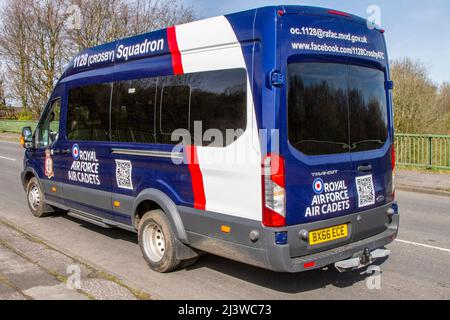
219 102
175 103
88 113
48 129
133 111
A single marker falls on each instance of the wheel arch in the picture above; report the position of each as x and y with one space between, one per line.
150 199
27 174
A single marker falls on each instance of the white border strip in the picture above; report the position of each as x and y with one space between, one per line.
6 158
423 245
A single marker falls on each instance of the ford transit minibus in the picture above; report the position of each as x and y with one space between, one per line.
264 136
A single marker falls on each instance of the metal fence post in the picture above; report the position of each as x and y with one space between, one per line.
430 152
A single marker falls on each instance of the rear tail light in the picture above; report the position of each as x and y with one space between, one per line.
274 192
393 170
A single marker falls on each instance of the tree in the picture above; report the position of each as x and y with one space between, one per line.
49 53
102 21
146 16
416 106
15 47
36 40
108 20
2 96
444 105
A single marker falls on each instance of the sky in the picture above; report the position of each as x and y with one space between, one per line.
419 29
414 28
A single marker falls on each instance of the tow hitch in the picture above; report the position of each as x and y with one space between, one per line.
361 261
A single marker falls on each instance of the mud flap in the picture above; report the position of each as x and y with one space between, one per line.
184 252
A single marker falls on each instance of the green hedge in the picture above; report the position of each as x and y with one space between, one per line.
15 126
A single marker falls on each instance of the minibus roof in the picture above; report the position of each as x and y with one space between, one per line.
157 43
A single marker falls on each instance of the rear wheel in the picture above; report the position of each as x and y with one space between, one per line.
36 199
188 262
157 242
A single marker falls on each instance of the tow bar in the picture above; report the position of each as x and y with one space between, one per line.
363 260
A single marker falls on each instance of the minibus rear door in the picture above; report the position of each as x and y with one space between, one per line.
316 148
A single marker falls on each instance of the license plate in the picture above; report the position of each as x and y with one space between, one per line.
328 234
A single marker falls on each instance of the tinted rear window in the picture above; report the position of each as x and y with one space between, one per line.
368 109
336 108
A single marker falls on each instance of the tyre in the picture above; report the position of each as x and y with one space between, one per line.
36 199
157 242
187 263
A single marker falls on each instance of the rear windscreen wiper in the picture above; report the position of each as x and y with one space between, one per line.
356 144
344 145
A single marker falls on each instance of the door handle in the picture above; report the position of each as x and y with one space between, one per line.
365 168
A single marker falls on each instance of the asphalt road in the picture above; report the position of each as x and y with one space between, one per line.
418 268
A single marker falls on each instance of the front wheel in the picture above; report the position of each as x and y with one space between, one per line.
157 242
36 199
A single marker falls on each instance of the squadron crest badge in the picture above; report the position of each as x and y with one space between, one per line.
48 164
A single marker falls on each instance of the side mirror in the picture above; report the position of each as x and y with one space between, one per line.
26 139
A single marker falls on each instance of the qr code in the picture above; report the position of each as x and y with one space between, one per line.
366 192
124 174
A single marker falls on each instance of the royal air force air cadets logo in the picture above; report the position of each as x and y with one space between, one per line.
330 197
318 186
85 168
76 152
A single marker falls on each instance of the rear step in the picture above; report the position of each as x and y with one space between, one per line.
361 261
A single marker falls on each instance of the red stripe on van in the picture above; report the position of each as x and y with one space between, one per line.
197 178
177 64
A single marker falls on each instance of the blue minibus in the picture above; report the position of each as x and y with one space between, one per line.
264 136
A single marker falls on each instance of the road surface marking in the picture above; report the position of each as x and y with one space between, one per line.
6 158
423 245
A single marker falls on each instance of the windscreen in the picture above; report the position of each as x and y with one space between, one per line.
336 108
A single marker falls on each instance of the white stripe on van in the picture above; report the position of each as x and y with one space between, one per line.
230 188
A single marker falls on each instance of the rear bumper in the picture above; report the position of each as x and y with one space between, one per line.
371 229
280 260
